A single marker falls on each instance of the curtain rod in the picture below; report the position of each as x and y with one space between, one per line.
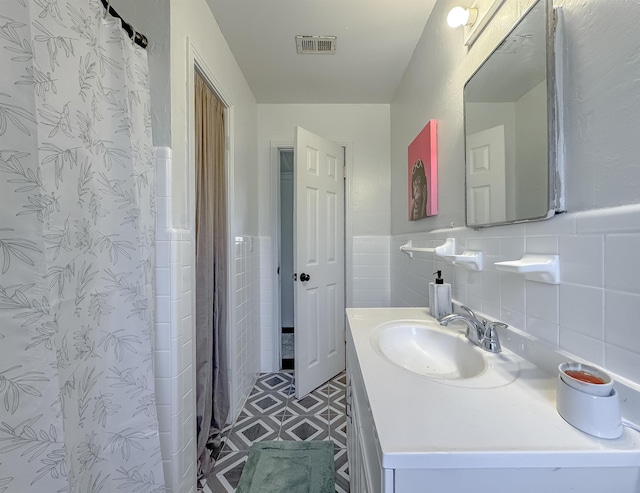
138 38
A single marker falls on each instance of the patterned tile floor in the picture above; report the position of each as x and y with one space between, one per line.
272 412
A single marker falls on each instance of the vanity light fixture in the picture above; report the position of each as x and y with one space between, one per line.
473 19
459 16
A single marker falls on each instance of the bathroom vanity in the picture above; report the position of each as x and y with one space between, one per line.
468 423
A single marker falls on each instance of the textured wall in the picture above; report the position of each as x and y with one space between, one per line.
168 24
601 104
151 18
593 309
432 87
192 22
364 126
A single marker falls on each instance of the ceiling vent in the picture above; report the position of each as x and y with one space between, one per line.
316 45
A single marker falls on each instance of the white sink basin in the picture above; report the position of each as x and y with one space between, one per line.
430 351
442 354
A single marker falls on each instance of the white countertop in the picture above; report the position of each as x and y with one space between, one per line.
423 423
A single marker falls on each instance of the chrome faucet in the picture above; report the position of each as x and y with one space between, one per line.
482 333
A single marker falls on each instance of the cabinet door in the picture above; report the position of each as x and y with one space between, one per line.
357 471
365 467
353 454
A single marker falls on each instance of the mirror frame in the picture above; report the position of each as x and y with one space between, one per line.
554 199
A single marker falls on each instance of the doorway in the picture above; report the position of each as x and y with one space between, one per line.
287 207
309 218
211 260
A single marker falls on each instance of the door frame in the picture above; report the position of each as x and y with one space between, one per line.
276 147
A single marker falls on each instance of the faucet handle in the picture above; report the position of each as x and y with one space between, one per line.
491 341
496 325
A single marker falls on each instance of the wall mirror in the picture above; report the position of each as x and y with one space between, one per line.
510 127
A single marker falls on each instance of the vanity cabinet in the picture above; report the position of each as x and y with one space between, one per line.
363 447
410 434
366 474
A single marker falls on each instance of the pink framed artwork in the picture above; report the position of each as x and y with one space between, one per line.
423 173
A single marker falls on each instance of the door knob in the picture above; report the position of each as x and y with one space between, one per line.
304 277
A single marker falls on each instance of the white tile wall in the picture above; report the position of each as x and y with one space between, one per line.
371 271
174 350
174 353
244 355
594 313
269 339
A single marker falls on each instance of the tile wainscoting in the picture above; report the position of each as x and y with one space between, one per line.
268 338
175 377
174 355
244 342
371 271
593 312
174 351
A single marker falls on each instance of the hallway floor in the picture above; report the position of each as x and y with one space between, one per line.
273 413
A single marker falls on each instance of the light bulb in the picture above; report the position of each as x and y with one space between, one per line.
458 16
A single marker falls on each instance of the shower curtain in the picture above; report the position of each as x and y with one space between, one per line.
77 232
212 393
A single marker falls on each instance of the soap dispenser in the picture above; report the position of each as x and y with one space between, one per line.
439 297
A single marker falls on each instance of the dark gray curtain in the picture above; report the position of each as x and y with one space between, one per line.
212 386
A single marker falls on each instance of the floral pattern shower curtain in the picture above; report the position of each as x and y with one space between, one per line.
77 229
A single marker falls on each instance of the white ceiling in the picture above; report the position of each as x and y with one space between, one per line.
376 39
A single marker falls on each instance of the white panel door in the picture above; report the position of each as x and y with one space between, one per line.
486 194
319 261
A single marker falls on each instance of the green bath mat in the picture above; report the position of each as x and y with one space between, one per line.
289 467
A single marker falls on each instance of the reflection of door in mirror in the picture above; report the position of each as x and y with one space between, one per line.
513 89
486 198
